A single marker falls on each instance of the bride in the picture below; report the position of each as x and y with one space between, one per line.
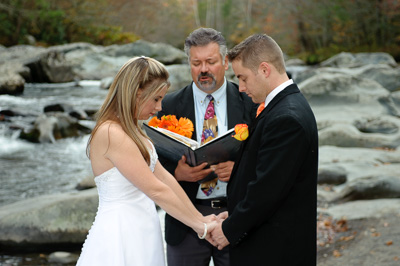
129 178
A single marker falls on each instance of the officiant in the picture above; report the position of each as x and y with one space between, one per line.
214 105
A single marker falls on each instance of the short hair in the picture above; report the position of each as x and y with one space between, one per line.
203 37
256 49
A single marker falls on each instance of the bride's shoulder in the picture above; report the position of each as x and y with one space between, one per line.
110 129
109 126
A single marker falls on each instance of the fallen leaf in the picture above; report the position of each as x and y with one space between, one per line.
389 243
337 254
347 238
385 224
376 234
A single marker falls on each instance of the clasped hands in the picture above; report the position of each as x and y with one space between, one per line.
215 235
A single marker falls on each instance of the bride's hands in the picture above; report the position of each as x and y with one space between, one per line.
210 218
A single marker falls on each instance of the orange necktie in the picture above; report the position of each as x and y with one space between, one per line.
260 108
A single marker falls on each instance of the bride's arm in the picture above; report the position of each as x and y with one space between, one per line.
125 155
163 175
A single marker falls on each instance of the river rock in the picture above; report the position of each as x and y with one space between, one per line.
162 52
86 183
334 175
370 173
371 187
179 76
341 88
52 126
66 108
51 67
98 63
350 60
364 209
387 76
62 257
61 218
11 78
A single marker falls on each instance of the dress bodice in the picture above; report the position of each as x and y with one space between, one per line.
126 230
113 186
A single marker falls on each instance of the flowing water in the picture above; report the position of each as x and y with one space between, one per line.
28 170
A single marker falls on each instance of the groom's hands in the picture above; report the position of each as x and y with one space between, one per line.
216 236
185 172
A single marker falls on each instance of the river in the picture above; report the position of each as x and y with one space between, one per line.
28 169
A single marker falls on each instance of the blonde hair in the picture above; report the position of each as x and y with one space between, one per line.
123 103
256 49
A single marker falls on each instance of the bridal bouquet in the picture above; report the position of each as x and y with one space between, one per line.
183 126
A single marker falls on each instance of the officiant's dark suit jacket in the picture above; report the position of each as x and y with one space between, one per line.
272 190
241 110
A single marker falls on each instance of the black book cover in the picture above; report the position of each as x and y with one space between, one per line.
221 149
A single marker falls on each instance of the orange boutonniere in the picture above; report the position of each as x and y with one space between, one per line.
183 126
242 132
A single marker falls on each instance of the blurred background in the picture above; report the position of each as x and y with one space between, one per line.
313 30
58 57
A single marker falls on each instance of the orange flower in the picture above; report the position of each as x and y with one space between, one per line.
154 122
183 126
186 126
242 132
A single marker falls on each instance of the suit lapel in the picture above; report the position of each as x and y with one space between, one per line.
289 90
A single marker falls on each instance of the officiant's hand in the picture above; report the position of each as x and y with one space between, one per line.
223 170
185 172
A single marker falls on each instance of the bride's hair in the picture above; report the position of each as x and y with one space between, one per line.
123 103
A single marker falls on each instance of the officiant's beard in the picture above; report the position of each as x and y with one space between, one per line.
206 86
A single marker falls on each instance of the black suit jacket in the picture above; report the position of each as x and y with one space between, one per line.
272 191
181 103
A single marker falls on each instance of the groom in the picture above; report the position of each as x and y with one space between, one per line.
272 190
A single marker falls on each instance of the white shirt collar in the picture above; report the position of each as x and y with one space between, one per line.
277 90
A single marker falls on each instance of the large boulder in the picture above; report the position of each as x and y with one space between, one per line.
51 126
162 52
364 209
11 78
60 218
350 60
41 64
341 88
93 62
179 76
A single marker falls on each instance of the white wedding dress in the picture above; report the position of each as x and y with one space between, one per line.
126 230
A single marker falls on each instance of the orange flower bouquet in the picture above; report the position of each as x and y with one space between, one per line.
183 126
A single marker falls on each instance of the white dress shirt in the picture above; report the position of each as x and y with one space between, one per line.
220 106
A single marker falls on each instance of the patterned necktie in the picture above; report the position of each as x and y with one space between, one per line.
260 108
210 125
210 131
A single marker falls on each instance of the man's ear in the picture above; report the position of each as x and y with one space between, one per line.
226 62
265 69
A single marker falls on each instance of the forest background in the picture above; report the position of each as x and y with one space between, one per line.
312 30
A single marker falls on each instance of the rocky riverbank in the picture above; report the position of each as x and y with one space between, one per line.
356 100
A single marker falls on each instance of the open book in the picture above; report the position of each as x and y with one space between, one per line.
172 146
